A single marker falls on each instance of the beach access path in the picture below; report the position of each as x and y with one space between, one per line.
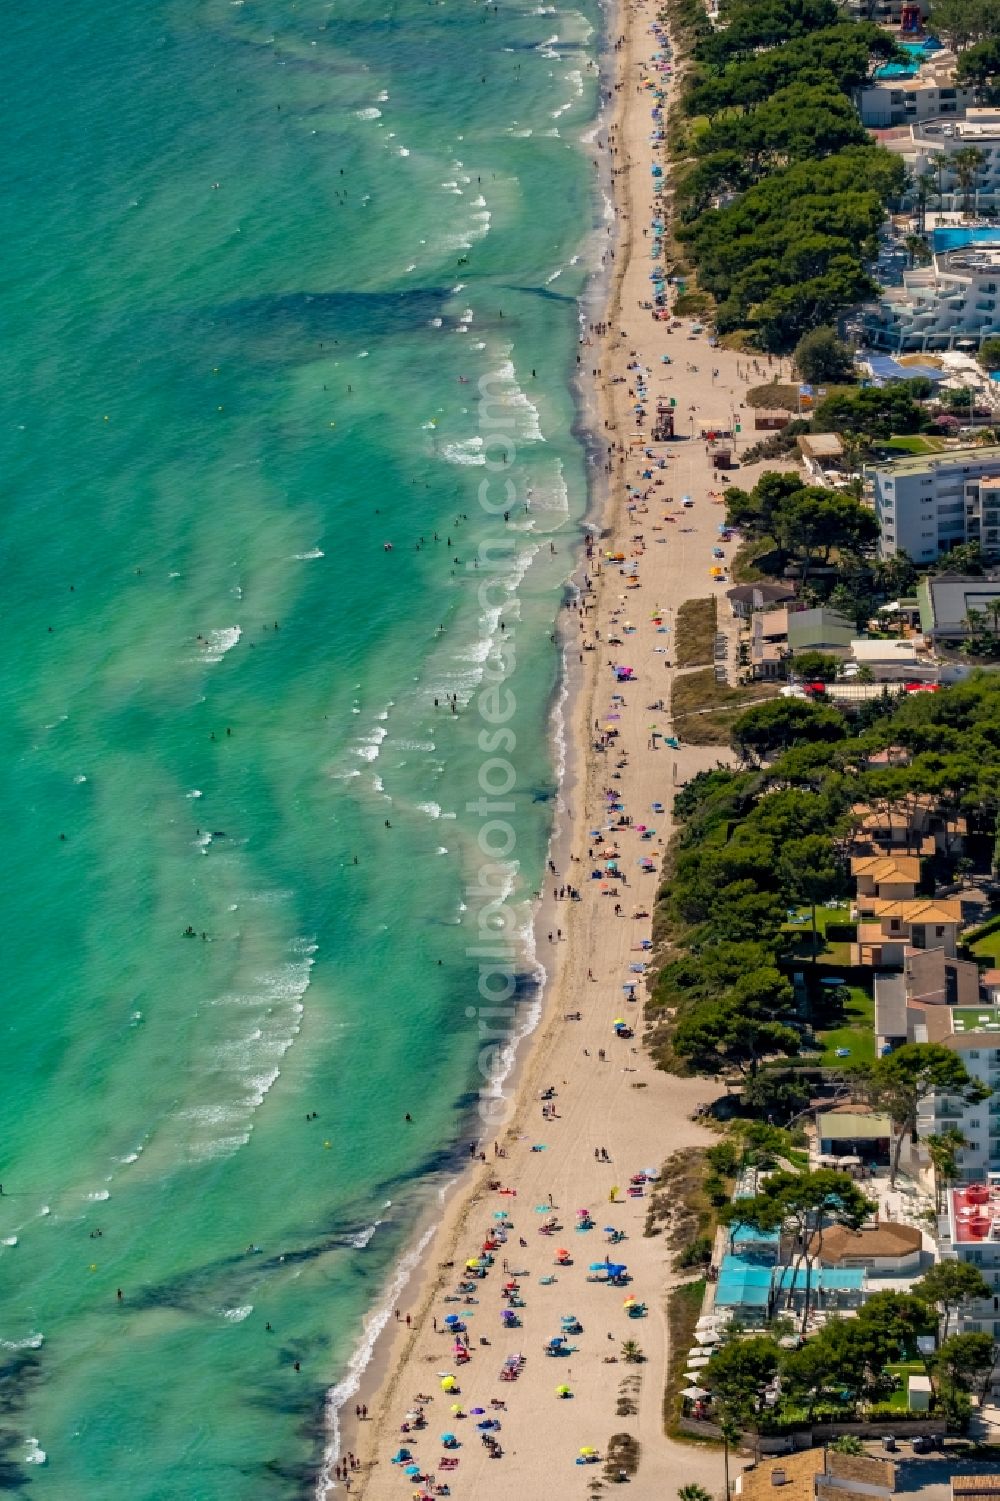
639 1115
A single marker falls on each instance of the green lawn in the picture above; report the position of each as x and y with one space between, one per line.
856 1031
899 1401
914 443
984 943
833 949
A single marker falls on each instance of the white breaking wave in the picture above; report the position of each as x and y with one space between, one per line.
505 392
371 113
249 1032
304 557
468 451
369 748
550 496
217 643
342 1393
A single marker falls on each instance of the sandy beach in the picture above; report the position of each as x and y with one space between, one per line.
612 1116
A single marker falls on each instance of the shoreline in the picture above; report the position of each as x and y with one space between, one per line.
440 1226
645 1115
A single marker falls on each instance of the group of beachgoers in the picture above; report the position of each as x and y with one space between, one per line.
497 1289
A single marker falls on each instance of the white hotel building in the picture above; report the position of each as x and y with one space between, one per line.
927 504
932 145
953 301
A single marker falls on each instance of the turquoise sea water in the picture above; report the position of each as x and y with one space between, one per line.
259 258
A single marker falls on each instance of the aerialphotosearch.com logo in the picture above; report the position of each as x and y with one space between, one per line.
494 948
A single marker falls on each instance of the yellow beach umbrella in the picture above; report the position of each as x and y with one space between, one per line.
587 1450
562 1391
448 1384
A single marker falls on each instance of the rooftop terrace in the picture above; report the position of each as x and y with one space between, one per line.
975 1212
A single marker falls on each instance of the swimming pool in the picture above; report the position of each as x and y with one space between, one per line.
954 239
917 52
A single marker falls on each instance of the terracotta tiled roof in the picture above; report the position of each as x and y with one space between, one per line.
921 909
882 867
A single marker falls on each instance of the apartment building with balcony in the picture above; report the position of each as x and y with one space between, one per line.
970 1231
974 1033
932 145
923 88
927 504
897 101
953 300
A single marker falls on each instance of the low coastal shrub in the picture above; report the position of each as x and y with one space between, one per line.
683 1313
694 633
693 305
623 1454
697 1253
695 699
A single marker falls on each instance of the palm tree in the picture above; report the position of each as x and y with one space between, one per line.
693 1492
731 1432
967 163
923 186
916 249
943 1147
631 1353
